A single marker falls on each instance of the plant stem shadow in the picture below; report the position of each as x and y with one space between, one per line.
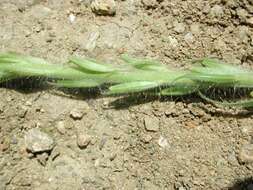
124 102
26 85
242 184
32 84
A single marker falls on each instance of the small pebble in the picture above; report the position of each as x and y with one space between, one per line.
83 140
4 146
163 142
172 41
117 136
242 14
179 27
60 126
195 29
102 142
246 153
220 45
30 155
243 34
217 11
247 130
14 140
28 103
151 124
189 37
104 7
146 138
77 114
112 156
72 18
191 124
22 111
90 41
38 141
206 8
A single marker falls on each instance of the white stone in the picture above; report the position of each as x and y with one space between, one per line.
38 141
163 142
72 18
172 41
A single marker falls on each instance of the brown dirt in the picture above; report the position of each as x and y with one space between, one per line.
190 145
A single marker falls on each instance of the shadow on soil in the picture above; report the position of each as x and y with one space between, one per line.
127 101
26 85
31 85
243 184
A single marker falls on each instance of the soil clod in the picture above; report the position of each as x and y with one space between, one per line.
37 141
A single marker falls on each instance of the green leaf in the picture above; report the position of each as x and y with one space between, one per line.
5 76
22 66
19 59
143 64
178 91
76 83
215 63
218 67
91 66
132 87
222 76
215 79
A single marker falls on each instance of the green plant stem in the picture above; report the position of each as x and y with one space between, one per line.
136 75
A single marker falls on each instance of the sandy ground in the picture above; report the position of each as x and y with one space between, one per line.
124 143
